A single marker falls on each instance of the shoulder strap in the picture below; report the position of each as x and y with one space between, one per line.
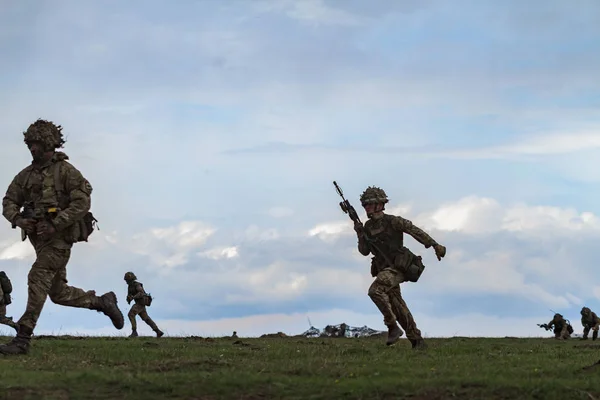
58 185
57 182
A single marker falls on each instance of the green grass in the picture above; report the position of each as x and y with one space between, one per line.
297 368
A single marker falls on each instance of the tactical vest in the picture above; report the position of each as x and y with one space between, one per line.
40 188
389 240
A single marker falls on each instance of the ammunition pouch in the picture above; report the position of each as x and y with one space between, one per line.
147 300
409 264
83 228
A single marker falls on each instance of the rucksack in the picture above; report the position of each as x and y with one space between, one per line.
148 300
147 296
6 287
85 226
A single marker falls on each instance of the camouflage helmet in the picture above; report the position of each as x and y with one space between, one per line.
585 310
373 195
46 132
130 276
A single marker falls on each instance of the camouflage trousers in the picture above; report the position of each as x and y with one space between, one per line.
586 329
562 333
139 309
48 277
3 319
385 293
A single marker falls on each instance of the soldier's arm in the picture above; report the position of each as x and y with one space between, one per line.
13 201
363 247
406 226
139 291
79 192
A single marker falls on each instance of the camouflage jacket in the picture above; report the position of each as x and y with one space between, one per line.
591 320
37 185
135 291
558 325
387 232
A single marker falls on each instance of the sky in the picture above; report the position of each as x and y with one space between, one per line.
211 133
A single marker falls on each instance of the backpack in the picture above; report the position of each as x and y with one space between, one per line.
83 228
148 300
6 287
147 297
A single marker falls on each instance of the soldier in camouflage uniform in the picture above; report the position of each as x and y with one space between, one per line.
137 293
390 268
56 216
589 320
4 301
560 326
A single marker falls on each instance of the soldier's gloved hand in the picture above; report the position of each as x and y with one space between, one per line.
45 228
440 251
27 224
358 227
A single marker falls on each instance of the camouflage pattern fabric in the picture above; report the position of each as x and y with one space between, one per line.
590 321
561 329
136 292
385 293
35 185
3 318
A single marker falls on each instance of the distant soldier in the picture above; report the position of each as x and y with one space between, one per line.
55 199
589 320
5 300
562 329
393 263
234 336
141 299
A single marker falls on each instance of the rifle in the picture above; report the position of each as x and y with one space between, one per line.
347 208
30 212
545 326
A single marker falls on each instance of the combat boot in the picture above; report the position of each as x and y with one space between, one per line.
418 344
133 333
394 334
107 304
595 335
159 333
19 344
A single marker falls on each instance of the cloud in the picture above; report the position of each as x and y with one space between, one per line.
280 212
176 242
212 144
18 251
220 252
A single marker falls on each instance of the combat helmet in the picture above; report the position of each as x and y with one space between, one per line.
585 310
373 195
46 132
130 276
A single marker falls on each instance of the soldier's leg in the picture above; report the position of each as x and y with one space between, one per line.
133 312
70 296
146 318
564 332
5 320
39 282
405 318
586 331
595 329
379 290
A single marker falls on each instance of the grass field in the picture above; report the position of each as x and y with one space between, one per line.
298 368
